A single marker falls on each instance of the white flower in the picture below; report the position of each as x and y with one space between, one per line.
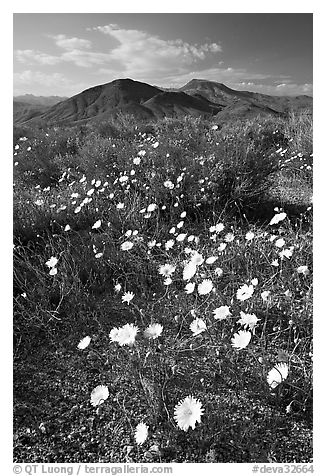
197 326
303 270
136 160
167 281
188 412
245 292
181 236
277 374
250 235
265 295
168 184
169 244
153 331
96 225
229 237
197 258
125 335
127 297
241 339
205 287
254 282
151 207
211 259
53 271
221 247
52 262
287 253
155 145
218 272
117 287
141 433
99 395
279 243
189 271
67 228
120 205
126 246
274 263
190 288
221 312
166 270
84 343
248 320
277 218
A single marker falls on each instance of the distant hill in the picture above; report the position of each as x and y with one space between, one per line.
39 100
125 96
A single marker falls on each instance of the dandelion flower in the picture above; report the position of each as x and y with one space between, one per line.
141 433
136 160
221 312
205 287
241 339
120 206
127 297
277 374
166 270
189 288
197 326
167 281
254 282
126 246
188 412
99 395
245 292
84 343
248 320
52 262
153 331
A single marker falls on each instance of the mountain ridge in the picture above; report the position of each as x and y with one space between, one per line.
198 97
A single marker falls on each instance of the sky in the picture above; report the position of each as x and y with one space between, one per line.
66 53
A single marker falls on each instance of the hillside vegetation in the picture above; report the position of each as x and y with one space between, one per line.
155 262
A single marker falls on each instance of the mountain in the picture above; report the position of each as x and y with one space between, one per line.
196 98
39 100
23 111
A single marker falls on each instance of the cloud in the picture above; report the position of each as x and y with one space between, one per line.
33 56
139 53
71 43
39 83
